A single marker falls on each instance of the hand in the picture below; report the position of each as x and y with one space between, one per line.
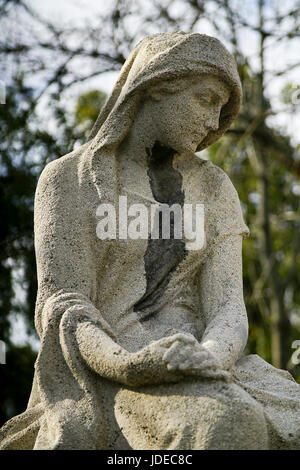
194 360
147 366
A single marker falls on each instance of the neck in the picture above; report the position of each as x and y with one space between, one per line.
143 139
142 136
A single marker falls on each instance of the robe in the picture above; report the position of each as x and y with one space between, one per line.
107 283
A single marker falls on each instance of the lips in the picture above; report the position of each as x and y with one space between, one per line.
198 138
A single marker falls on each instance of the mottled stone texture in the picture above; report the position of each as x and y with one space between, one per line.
142 340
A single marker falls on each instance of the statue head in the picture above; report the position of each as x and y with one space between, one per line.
176 72
182 112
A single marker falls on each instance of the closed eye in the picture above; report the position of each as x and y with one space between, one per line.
203 99
208 98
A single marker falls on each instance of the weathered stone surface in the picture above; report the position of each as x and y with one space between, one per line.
142 340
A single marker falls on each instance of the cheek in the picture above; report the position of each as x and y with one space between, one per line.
215 112
188 113
181 114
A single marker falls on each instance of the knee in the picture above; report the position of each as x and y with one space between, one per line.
236 422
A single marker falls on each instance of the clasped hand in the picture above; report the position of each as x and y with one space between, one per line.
174 357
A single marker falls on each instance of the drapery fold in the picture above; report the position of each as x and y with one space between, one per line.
65 410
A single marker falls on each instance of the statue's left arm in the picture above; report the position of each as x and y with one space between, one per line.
223 312
221 277
220 287
222 302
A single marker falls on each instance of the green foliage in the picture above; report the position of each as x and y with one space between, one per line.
16 380
262 163
290 94
24 153
274 273
88 106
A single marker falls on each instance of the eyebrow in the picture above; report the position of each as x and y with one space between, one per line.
215 92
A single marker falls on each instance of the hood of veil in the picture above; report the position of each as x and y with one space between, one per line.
166 56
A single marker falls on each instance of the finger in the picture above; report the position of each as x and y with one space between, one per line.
165 342
184 337
193 361
178 352
185 365
206 364
178 337
182 361
200 356
185 352
169 354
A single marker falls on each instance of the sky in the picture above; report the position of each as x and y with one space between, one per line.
277 57
84 11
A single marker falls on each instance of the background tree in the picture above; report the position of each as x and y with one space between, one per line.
51 70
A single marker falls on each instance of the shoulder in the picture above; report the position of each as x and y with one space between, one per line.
61 175
216 181
226 211
58 199
216 174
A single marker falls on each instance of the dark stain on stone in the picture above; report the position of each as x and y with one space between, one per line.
162 255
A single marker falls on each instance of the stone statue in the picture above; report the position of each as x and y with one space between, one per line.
142 340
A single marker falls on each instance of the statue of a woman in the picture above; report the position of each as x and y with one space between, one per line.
142 339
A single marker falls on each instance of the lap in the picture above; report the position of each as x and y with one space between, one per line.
195 414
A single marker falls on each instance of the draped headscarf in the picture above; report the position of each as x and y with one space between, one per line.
166 56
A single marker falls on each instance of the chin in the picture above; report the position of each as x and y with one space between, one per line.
186 148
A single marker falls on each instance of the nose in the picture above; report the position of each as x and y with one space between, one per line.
212 121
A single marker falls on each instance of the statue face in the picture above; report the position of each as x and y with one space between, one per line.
184 118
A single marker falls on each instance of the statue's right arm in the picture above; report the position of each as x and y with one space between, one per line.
66 264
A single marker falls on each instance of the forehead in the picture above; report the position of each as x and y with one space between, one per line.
211 85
